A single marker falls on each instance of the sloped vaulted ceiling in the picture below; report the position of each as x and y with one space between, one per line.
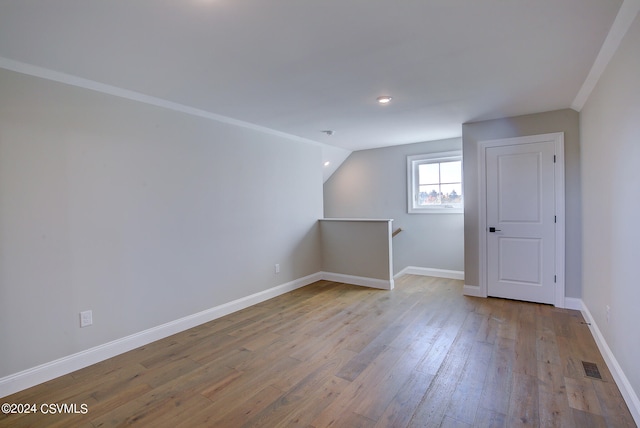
301 67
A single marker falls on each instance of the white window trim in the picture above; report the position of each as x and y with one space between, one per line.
412 177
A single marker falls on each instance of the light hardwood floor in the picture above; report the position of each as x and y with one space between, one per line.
332 354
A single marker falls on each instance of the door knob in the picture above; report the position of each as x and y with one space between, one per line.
493 229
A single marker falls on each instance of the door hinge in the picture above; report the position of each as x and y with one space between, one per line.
555 278
555 219
554 158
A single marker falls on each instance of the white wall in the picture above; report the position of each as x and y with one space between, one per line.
141 214
610 160
373 184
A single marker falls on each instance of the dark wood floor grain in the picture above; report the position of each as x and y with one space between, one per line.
333 354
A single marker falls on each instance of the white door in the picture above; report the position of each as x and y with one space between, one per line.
521 215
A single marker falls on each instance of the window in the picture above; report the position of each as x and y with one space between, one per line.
434 183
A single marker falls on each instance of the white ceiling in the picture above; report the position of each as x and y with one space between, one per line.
303 66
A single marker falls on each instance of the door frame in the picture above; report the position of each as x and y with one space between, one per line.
558 139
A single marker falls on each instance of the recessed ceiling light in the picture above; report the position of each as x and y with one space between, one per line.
383 99
327 163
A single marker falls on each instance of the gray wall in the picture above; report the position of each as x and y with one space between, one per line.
141 214
542 123
358 248
373 184
610 131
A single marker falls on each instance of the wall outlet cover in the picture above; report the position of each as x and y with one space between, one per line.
86 318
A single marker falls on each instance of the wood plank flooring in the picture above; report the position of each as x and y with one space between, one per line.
337 355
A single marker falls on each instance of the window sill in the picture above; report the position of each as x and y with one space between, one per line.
434 210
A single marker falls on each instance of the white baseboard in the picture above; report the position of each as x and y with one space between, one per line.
438 273
45 372
384 284
630 396
473 291
573 303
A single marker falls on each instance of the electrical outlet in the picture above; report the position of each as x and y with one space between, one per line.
608 313
277 267
86 318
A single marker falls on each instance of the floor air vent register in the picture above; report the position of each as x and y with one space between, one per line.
591 370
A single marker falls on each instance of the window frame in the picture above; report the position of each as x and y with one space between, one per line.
412 182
